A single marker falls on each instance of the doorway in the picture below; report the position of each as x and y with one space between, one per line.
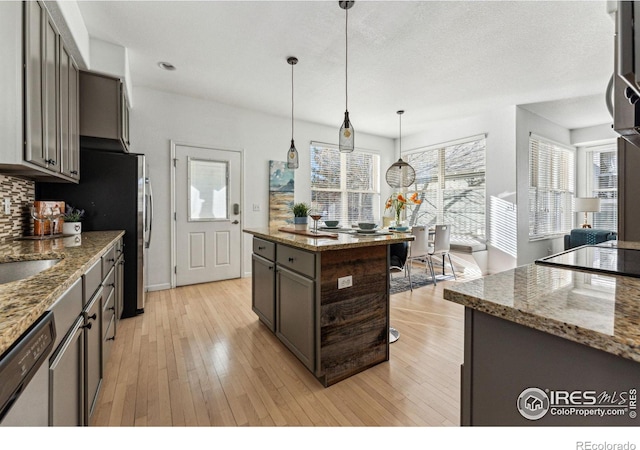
206 226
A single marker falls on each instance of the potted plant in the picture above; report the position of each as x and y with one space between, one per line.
300 213
72 220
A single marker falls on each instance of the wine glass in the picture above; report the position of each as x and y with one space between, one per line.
53 214
316 215
35 214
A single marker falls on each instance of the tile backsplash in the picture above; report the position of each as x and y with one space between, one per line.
21 194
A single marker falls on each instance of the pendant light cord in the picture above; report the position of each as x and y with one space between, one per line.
400 136
346 59
292 102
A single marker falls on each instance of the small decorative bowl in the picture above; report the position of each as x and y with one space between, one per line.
331 223
401 228
366 225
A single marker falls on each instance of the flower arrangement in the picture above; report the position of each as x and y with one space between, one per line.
72 214
398 202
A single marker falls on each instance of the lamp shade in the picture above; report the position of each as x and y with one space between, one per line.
586 204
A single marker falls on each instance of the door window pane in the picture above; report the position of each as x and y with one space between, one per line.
208 193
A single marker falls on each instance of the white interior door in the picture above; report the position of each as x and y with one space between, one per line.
207 214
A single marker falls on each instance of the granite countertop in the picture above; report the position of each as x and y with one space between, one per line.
598 310
343 241
24 301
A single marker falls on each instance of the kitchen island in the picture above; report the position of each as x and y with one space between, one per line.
326 299
550 346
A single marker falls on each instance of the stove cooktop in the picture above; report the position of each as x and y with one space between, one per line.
611 260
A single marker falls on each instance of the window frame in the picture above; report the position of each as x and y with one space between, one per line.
591 188
563 197
344 190
440 157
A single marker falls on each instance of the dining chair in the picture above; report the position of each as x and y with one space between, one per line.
441 247
398 256
419 247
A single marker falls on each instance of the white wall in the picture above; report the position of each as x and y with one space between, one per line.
499 126
159 117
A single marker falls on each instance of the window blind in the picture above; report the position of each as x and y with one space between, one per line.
450 180
603 175
345 186
551 188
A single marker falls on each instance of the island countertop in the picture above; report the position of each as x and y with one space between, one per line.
319 244
24 301
598 310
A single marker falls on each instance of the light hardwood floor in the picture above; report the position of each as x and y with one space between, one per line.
198 356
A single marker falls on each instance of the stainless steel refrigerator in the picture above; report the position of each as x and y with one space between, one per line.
115 192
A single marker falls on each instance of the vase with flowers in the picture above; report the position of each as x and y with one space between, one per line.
396 203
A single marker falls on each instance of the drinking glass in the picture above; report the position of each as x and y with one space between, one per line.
35 214
53 214
316 215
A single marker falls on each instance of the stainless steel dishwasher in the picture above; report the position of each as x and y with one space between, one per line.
24 379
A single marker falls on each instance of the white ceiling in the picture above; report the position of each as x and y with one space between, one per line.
434 59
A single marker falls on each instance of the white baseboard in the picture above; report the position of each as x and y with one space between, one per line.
158 287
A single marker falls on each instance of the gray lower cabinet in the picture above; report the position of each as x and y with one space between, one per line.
263 292
85 318
66 379
295 300
93 351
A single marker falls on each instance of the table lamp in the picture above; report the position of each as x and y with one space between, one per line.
586 205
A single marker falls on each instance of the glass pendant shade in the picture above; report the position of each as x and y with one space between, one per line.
400 174
346 139
292 157
292 154
345 143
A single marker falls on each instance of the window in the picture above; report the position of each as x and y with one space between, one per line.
551 188
450 181
345 185
602 182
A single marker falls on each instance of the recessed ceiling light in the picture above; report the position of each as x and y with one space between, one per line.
166 66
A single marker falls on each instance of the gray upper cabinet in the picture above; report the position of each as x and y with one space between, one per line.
39 135
104 112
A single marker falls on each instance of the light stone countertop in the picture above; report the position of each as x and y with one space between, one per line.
598 310
22 302
343 241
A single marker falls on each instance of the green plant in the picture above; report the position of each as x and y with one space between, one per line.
300 209
72 214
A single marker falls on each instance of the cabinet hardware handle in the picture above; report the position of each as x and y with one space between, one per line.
291 259
113 308
92 317
51 161
270 267
87 326
112 338
111 284
74 172
261 248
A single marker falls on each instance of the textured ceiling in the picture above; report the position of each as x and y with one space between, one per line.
436 60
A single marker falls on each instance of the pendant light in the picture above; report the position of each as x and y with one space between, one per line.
400 174
292 155
346 139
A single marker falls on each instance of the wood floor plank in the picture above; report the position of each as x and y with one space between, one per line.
199 356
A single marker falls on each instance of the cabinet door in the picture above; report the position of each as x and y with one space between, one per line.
263 292
34 18
50 88
295 314
66 380
93 351
119 290
124 117
69 139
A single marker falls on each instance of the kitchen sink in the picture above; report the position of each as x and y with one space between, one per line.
18 270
